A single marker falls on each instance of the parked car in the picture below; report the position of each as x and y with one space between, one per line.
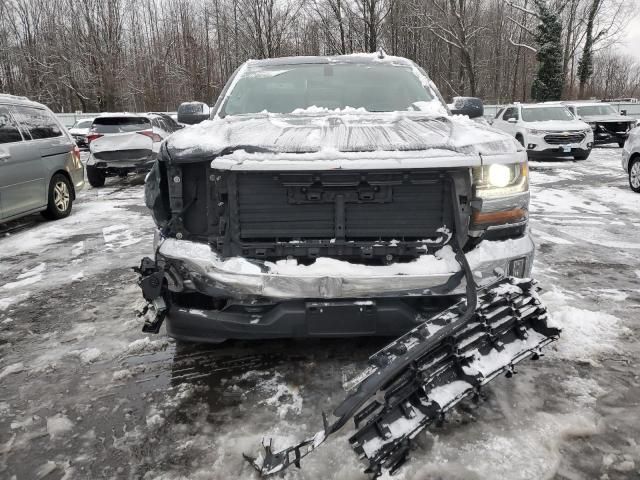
123 143
40 167
546 130
191 113
631 159
607 124
80 130
307 205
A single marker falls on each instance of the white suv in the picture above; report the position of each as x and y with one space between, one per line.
546 130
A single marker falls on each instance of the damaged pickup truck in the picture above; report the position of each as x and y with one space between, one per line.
339 196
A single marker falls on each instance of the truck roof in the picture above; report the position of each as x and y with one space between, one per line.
355 58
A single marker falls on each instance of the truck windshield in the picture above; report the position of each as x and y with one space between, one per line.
590 110
541 114
285 88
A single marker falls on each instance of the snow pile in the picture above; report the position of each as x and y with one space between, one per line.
146 345
87 355
284 397
58 425
13 368
585 333
442 262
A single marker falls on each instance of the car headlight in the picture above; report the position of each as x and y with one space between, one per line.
504 194
533 131
498 180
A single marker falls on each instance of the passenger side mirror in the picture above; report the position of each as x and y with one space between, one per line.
470 106
512 120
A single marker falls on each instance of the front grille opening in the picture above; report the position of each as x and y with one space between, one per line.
197 300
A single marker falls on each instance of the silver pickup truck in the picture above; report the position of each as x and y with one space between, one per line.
328 196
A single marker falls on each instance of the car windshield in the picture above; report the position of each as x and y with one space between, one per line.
542 114
120 124
590 110
83 124
285 88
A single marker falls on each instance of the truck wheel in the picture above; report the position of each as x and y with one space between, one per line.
96 176
59 203
582 156
634 175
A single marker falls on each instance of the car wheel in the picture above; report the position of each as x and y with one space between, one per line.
634 175
95 176
60 198
582 156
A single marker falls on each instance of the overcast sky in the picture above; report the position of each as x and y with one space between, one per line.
631 44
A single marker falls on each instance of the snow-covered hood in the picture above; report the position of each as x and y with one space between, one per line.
337 132
558 125
607 118
79 131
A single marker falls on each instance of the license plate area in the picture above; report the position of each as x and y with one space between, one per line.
565 148
341 318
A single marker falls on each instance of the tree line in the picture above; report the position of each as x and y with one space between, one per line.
148 55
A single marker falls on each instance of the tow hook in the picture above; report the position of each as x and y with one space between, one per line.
151 282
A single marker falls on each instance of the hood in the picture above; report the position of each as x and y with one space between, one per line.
336 132
558 125
79 131
606 118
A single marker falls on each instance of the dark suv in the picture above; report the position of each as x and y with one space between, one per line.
330 196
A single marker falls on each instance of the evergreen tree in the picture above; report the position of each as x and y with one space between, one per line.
549 79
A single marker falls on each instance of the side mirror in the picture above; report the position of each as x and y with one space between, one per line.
623 112
512 120
470 106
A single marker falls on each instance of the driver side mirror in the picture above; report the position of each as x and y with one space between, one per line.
470 106
512 120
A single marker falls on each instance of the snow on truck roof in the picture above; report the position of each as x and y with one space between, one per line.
354 58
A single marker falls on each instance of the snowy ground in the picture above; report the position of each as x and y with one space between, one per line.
84 394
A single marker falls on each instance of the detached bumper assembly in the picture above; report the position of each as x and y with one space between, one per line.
418 378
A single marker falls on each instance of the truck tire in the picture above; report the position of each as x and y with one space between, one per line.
634 174
95 176
59 198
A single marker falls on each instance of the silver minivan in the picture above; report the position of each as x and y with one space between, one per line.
40 167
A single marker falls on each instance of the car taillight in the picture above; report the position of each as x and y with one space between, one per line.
93 136
152 135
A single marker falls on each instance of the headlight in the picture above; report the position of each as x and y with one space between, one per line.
504 191
533 131
497 180
499 175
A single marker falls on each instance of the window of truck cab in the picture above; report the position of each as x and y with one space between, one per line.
376 87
